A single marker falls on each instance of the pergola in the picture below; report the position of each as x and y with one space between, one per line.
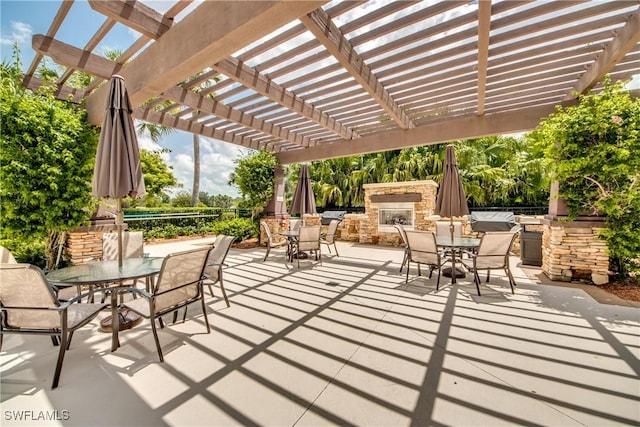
310 80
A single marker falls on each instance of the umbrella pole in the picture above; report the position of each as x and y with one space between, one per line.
451 228
120 222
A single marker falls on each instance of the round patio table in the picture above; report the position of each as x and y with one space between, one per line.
103 272
454 244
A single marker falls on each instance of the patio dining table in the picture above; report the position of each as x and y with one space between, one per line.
292 236
455 244
103 272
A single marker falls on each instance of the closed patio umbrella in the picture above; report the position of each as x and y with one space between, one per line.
304 201
451 200
118 172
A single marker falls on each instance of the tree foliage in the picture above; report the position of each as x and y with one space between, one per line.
254 177
497 171
47 155
157 175
595 151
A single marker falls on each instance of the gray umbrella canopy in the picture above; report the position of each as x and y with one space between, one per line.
451 200
118 172
304 201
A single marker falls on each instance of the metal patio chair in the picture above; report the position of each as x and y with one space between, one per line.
405 245
492 254
29 305
179 284
271 243
309 240
330 237
424 250
215 262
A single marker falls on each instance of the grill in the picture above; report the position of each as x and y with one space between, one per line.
492 221
327 216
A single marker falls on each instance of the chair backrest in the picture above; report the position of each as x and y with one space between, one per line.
309 238
132 245
422 247
295 224
403 233
267 232
217 256
495 247
331 231
24 285
6 257
180 278
443 228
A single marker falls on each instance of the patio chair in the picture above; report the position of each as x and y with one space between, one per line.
309 240
424 250
6 257
295 224
270 242
215 262
330 237
179 284
443 228
29 305
405 246
492 254
132 245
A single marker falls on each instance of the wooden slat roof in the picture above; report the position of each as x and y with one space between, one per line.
309 80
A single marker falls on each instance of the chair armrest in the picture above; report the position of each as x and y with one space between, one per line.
81 296
138 291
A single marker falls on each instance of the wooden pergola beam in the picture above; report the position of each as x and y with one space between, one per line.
73 57
253 79
139 17
101 67
484 28
623 43
185 47
218 109
165 119
323 28
467 127
55 26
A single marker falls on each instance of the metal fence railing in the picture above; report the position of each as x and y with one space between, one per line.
199 219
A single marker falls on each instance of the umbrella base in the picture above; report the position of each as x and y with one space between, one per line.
447 272
127 320
301 255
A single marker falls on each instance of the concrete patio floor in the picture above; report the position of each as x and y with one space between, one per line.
345 343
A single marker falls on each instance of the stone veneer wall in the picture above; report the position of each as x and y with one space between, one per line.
85 244
423 209
573 251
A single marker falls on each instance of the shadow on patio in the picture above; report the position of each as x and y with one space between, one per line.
346 343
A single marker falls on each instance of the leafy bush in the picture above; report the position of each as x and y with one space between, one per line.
254 177
597 164
47 152
241 228
30 251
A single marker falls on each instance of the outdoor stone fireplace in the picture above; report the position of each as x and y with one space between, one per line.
410 203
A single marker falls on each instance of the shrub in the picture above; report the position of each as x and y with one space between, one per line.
240 228
31 251
597 165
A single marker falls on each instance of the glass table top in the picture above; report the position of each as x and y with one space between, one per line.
106 271
457 242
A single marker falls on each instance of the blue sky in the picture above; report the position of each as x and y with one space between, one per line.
19 20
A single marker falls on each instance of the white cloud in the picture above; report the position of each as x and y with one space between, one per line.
21 33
